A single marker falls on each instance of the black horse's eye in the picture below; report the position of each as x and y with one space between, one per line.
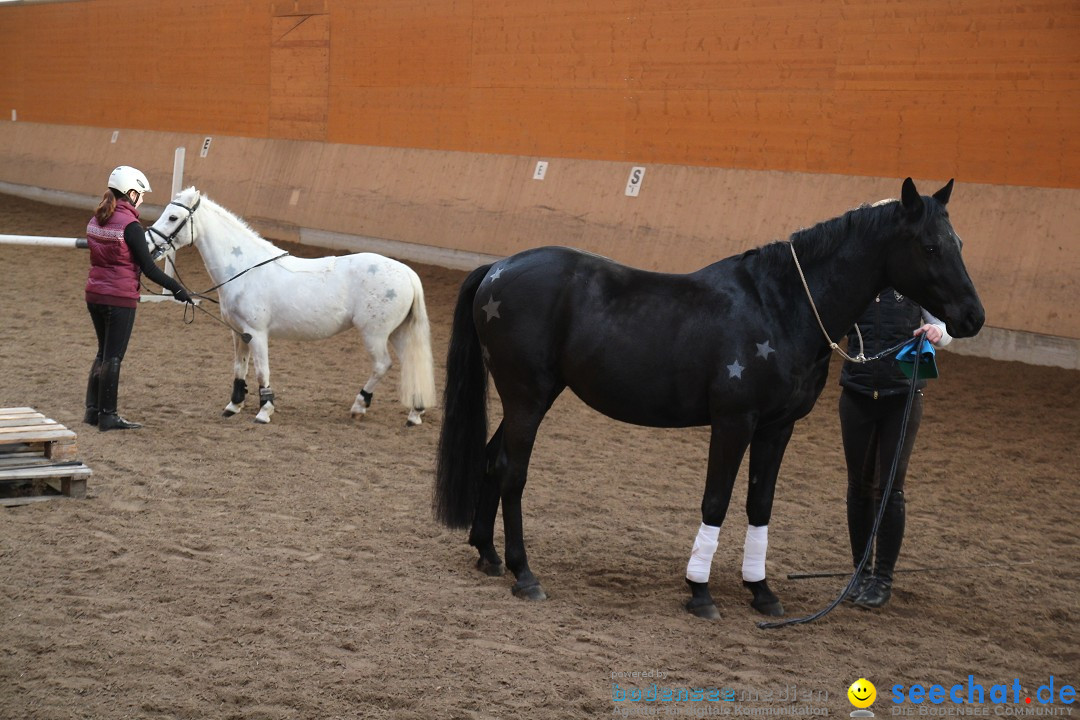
174 218
930 249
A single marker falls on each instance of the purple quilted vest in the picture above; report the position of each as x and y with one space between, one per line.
112 270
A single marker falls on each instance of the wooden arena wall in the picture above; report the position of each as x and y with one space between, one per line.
421 121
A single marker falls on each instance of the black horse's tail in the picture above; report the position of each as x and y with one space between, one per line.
461 461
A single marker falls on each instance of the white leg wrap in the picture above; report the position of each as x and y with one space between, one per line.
697 570
757 544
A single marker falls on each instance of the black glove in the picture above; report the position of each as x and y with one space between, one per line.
182 295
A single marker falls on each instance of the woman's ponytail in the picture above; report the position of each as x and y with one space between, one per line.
106 207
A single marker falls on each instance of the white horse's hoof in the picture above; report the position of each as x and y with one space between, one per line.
262 419
414 419
358 412
231 409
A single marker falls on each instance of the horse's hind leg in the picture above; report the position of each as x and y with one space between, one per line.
482 535
241 354
380 355
766 453
399 342
519 434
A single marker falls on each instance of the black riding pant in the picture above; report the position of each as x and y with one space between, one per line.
113 327
871 431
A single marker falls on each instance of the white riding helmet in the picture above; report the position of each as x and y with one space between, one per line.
126 178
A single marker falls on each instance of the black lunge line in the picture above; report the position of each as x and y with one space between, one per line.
939 568
768 625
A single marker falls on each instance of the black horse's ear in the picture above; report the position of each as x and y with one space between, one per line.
910 199
942 195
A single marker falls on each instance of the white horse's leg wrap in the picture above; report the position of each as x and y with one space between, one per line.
757 544
697 570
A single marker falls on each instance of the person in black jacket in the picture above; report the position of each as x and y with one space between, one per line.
118 255
871 412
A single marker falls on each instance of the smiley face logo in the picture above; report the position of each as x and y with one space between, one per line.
862 693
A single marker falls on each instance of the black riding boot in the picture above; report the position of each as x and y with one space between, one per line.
860 520
108 419
890 538
93 383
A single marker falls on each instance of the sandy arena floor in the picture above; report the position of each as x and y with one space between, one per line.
221 569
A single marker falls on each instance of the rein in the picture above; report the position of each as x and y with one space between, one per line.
861 357
264 262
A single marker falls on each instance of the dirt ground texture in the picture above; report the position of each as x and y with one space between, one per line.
223 569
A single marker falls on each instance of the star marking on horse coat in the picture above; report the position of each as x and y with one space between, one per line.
390 294
237 251
495 275
373 269
735 369
763 350
492 308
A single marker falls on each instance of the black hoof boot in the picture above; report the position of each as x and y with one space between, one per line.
765 600
112 421
489 568
529 591
876 593
701 603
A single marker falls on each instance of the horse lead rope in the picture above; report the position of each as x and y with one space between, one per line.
861 357
766 625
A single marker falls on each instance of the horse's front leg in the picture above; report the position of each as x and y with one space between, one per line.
766 453
726 449
241 354
260 354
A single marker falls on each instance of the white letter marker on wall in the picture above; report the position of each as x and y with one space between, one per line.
541 170
205 147
633 185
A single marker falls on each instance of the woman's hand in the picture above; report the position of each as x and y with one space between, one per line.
932 332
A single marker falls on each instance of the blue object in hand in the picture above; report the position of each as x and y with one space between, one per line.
905 358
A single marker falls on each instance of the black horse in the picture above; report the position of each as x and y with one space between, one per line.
736 345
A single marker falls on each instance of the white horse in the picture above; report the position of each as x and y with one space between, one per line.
265 292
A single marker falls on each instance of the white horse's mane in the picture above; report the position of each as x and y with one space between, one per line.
187 196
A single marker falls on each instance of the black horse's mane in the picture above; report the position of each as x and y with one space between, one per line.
825 238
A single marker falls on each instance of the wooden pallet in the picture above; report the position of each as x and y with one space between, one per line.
37 450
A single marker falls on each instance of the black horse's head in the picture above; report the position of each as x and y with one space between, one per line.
925 262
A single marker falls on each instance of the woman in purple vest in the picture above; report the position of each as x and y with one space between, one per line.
871 411
118 252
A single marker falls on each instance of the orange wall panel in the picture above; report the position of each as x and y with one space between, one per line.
984 90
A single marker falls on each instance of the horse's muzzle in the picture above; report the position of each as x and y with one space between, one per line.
969 324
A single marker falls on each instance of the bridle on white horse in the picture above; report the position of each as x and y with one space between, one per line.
168 241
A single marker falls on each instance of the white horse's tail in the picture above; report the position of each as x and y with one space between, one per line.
413 340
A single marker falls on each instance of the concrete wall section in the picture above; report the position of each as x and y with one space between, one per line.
1017 239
